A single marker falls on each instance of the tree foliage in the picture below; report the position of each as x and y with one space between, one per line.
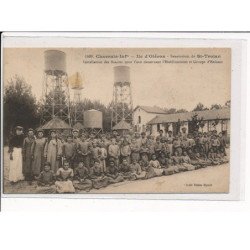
174 111
20 107
196 123
215 106
228 104
200 107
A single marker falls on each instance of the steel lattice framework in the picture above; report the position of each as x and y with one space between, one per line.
122 105
78 110
56 97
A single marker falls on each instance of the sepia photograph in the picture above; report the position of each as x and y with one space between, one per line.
116 120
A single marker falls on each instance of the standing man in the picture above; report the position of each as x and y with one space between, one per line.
28 156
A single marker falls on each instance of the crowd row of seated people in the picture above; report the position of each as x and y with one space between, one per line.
96 163
173 153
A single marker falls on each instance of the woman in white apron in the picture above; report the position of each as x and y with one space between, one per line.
16 158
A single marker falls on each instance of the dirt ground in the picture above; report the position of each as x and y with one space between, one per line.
213 179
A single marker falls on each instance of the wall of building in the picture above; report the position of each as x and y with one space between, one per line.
221 126
145 118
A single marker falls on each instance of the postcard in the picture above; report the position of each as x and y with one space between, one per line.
117 119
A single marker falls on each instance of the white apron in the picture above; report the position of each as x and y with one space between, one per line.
16 166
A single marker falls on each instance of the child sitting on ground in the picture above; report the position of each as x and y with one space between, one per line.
186 162
147 169
177 160
136 169
171 168
163 160
82 179
113 173
46 177
64 178
198 162
97 176
154 163
126 170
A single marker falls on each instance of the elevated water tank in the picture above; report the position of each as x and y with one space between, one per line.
76 81
92 119
54 62
122 75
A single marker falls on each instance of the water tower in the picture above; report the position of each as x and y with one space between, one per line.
76 83
56 97
122 106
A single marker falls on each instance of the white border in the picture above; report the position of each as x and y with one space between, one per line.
238 87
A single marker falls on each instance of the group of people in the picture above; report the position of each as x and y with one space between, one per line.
85 161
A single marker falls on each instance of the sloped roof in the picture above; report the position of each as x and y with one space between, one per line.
56 123
122 125
78 126
150 109
205 114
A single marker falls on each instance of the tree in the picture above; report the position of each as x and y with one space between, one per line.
215 106
20 107
200 107
228 104
181 111
174 111
196 123
170 111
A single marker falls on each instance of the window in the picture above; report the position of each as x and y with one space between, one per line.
158 127
139 119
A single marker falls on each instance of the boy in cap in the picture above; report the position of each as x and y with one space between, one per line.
69 150
76 138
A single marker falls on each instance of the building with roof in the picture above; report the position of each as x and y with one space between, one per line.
143 114
61 127
216 119
56 124
122 127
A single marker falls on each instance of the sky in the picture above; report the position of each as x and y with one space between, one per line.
168 85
